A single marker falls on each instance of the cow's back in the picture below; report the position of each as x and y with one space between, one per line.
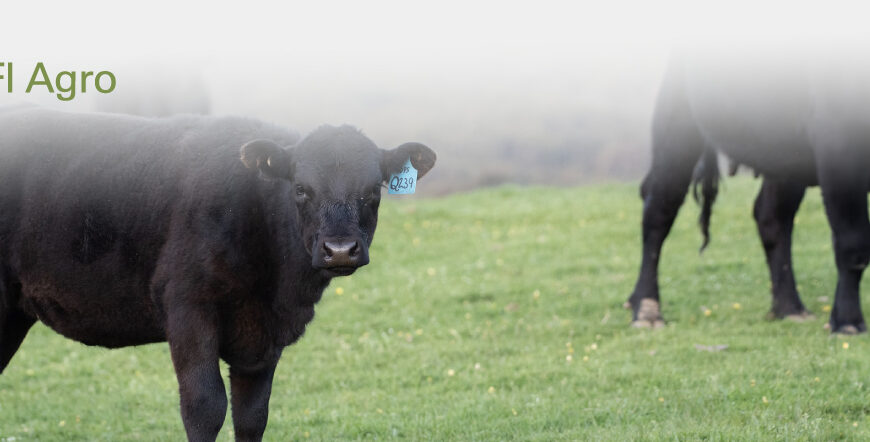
87 202
772 108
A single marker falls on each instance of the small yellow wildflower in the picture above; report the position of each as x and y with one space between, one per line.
307 435
752 382
339 291
418 332
451 372
594 346
708 312
764 399
661 399
431 271
585 358
61 423
536 294
491 390
826 308
736 306
514 411
845 346
416 241
569 358
817 379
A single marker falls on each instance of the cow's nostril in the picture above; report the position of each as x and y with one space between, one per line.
342 252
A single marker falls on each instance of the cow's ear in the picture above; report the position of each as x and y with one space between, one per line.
267 157
422 158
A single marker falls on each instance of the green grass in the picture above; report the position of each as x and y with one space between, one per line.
496 315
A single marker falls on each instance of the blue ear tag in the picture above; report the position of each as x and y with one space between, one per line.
404 182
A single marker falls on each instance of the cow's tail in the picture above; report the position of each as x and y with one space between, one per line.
706 177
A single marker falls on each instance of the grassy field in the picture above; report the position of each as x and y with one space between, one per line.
497 315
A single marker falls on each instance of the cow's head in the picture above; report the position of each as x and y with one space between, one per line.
335 176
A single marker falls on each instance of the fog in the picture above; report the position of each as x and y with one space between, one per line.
555 93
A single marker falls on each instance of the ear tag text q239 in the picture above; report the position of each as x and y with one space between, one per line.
405 181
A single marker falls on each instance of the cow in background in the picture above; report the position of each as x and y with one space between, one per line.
798 118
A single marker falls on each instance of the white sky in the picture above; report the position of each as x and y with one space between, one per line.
456 74
372 32
254 54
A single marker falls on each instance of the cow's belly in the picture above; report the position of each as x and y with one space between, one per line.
771 151
759 119
93 315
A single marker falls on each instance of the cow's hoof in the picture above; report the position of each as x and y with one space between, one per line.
649 315
792 314
648 324
803 316
848 329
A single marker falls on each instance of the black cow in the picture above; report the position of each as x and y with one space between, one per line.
798 120
119 231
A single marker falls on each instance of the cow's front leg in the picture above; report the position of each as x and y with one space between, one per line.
250 392
192 333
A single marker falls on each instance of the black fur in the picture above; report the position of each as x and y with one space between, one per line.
203 232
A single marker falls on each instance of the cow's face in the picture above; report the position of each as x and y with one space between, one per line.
336 175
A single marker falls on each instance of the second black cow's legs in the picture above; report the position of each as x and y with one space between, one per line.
663 196
847 215
775 208
842 170
677 146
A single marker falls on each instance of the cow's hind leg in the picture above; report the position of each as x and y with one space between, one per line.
662 200
14 323
774 212
677 146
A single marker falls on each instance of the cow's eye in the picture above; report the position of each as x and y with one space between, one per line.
301 192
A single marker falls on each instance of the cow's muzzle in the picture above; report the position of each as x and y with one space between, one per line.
340 257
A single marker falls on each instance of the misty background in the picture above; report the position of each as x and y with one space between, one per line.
552 93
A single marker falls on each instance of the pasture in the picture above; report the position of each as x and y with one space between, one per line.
497 315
